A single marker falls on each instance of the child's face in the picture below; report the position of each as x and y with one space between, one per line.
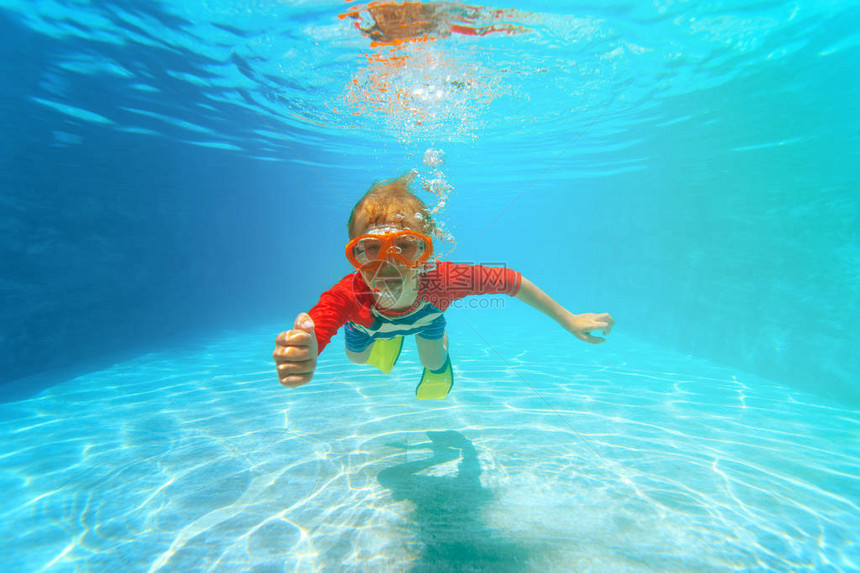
391 279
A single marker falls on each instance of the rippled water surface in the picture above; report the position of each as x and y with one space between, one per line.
306 71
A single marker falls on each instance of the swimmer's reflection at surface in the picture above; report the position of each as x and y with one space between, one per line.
395 22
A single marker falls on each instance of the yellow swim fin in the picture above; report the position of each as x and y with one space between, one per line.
435 384
385 353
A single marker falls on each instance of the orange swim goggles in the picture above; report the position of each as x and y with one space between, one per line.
410 248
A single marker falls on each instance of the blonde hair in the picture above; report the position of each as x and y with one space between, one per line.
387 202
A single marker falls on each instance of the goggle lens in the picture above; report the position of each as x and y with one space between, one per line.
367 249
410 247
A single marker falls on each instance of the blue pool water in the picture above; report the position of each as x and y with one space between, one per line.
629 458
175 180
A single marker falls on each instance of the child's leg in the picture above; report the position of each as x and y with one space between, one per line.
359 357
358 344
432 352
382 354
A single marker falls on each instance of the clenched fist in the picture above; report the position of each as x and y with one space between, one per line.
296 352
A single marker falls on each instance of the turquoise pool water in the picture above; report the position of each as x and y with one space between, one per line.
175 179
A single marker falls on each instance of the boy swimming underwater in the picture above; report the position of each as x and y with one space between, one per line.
393 294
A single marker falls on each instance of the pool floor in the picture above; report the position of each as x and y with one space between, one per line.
549 455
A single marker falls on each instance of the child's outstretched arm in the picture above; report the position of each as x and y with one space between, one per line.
580 325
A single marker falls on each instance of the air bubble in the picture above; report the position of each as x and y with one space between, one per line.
434 157
435 183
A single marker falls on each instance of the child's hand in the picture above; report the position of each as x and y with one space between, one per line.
582 325
296 353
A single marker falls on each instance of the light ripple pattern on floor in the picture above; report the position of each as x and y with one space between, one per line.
623 457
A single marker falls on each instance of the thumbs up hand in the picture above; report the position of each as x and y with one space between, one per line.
296 352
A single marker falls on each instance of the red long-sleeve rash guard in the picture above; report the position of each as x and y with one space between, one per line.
350 300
